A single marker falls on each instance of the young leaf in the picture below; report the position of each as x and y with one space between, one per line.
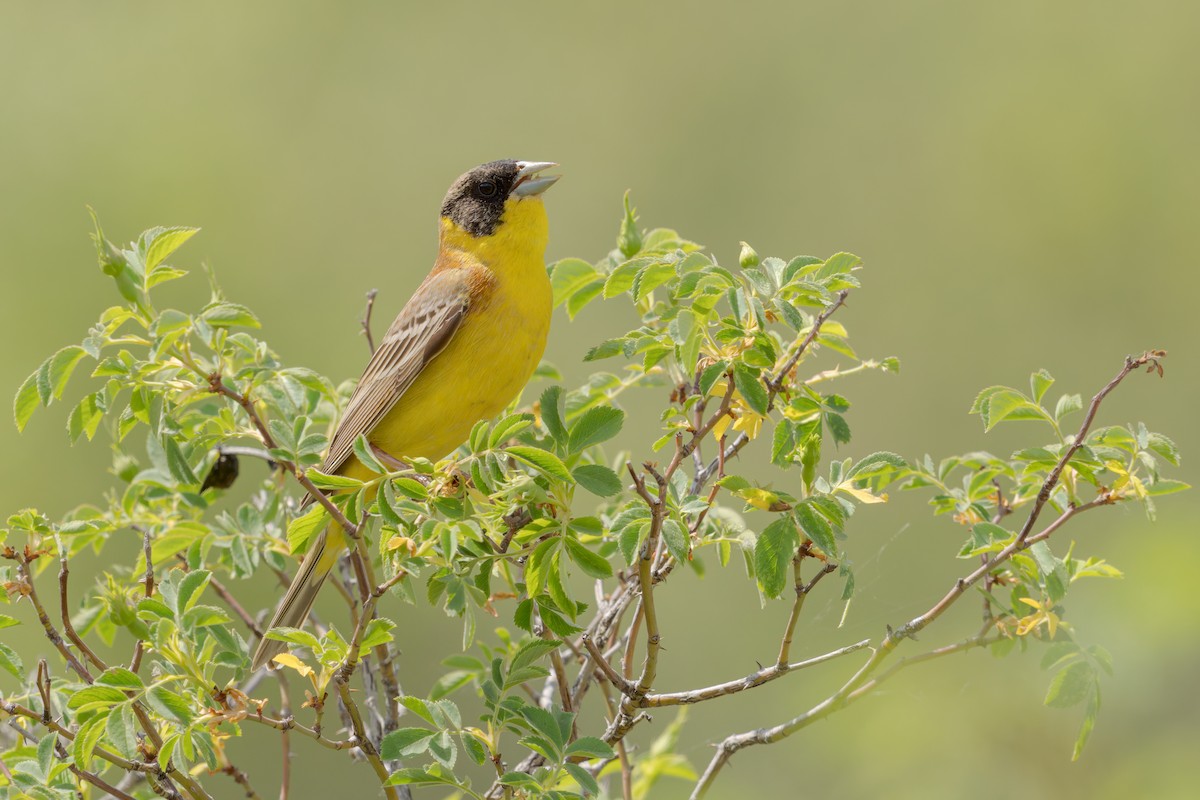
541 460
590 562
773 551
553 412
752 389
597 479
596 425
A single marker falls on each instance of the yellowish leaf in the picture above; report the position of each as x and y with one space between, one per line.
863 496
289 660
759 498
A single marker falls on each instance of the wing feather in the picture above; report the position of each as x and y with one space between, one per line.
422 330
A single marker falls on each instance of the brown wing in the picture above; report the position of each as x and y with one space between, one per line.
425 326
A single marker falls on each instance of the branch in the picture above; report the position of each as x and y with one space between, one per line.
861 683
802 590
752 680
23 558
366 320
838 700
1131 363
775 382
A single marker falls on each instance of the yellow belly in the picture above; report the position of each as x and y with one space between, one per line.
491 356
486 364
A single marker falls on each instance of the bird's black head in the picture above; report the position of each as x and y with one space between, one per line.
476 201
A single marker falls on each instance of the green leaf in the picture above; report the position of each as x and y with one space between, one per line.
335 482
587 784
1071 685
544 723
1164 447
405 742
508 428
45 752
177 463
122 730
621 279
816 528
539 565
11 663
410 776
366 456
596 425
629 239
1039 382
773 552
606 349
295 636
874 464
379 631
26 401
169 705
190 589
676 539
1166 486
589 561
569 276
1006 404
167 750
418 707
120 678
597 479
86 739
651 277
837 264
577 301
62 364
95 697
1089 722
1067 404
302 529
228 315
553 412
589 747
163 242
541 460
755 393
532 651
8 622
86 416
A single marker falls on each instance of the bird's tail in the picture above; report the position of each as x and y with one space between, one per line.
298 600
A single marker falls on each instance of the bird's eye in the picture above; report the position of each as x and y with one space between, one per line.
487 189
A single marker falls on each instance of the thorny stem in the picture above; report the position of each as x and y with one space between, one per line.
802 591
285 707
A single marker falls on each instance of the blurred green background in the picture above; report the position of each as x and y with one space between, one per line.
1020 178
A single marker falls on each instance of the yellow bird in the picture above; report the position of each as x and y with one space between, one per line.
461 349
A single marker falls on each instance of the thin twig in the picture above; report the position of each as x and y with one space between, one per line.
775 382
366 320
802 591
751 681
285 704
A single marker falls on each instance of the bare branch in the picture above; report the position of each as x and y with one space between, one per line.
752 680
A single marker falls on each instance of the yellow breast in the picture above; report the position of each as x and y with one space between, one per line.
494 351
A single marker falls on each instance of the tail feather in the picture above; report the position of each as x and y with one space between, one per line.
296 603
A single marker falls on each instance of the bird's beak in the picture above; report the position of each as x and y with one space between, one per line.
528 182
